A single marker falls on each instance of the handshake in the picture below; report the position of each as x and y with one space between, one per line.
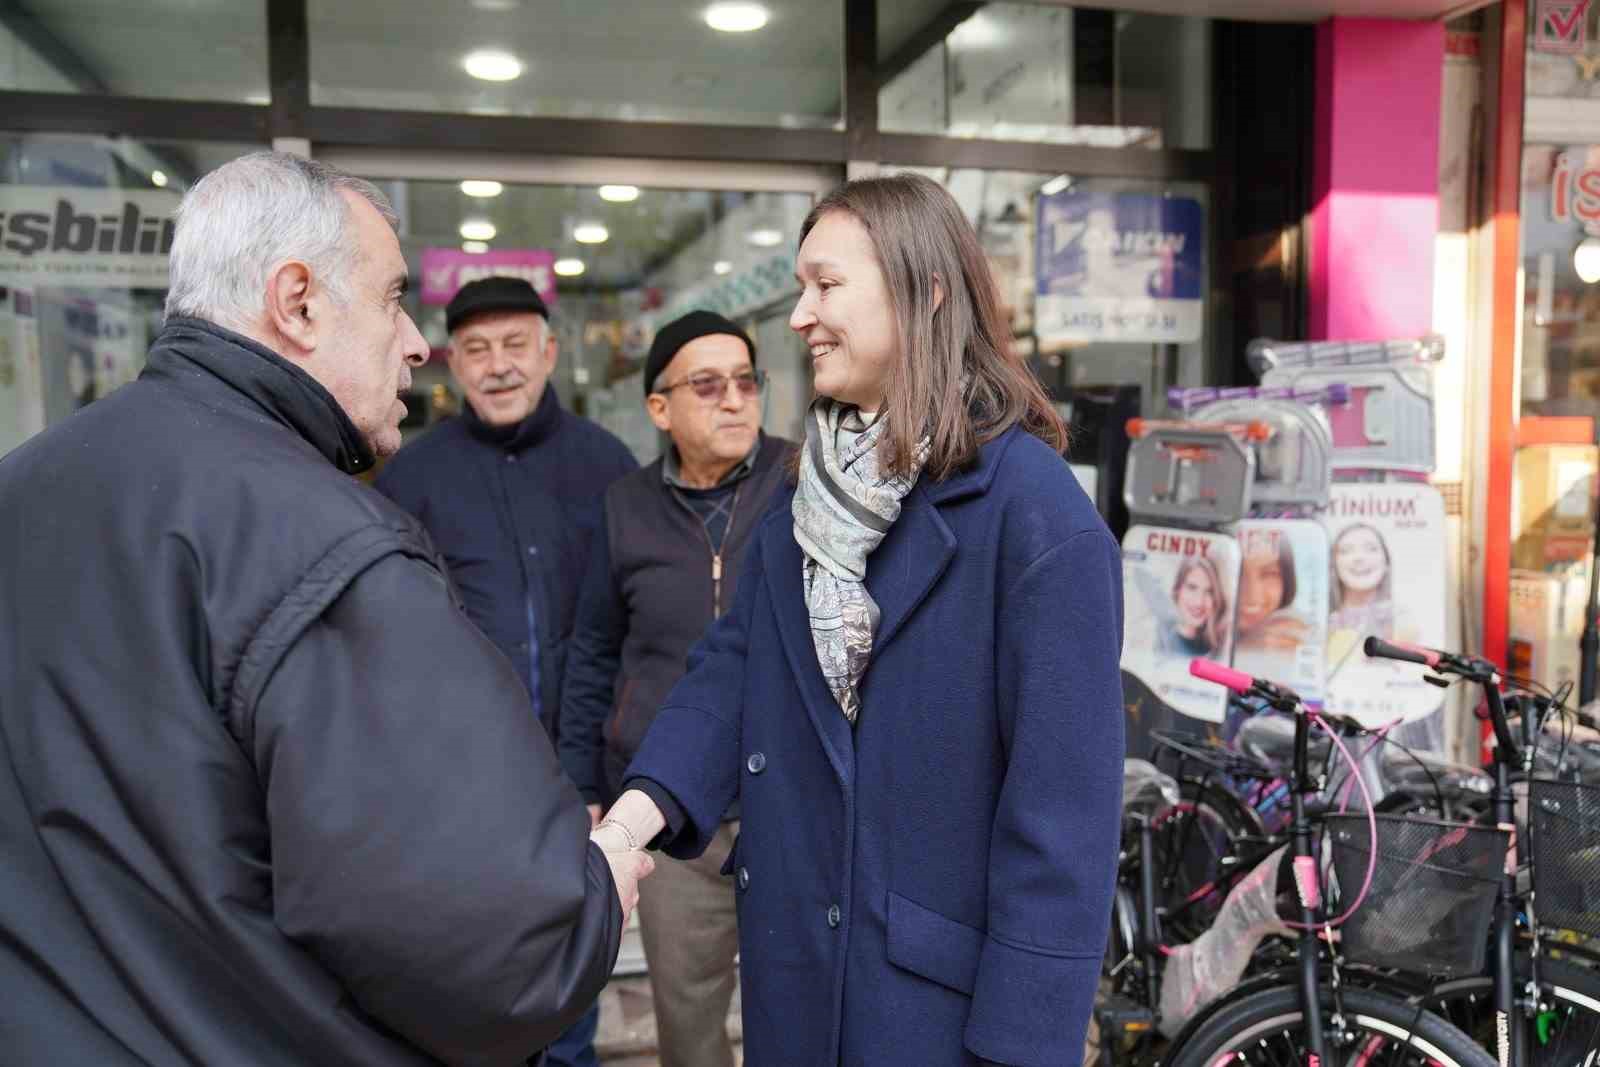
622 834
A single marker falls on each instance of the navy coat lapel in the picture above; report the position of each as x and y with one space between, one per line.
782 559
902 571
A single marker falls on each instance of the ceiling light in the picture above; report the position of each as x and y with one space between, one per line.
482 190
1586 260
721 266
478 230
619 194
569 268
590 233
158 178
475 247
496 5
736 17
765 237
1055 185
491 66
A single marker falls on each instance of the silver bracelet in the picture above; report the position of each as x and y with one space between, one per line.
633 842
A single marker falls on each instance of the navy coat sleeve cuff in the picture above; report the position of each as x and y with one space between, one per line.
665 802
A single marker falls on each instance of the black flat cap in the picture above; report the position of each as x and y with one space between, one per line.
492 294
679 332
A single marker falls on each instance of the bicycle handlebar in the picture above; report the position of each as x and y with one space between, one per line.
1377 648
1226 677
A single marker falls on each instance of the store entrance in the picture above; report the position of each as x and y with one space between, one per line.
614 260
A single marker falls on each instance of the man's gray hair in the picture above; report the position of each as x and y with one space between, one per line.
248 216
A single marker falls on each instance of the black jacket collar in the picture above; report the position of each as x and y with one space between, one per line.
188 347
534 429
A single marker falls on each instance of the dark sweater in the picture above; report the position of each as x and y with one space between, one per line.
653 587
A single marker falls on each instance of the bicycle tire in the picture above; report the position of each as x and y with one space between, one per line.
1567 1030
1267 1028
1199 841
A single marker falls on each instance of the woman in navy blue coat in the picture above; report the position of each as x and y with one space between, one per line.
915 696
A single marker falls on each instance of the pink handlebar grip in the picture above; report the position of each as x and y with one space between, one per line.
1427 653
1238 681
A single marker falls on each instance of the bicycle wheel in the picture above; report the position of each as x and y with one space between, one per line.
1564 1033
1200 847
1267 1028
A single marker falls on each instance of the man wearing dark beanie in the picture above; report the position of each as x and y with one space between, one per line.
510 493
662 570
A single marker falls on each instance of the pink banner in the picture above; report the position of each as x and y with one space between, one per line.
446 270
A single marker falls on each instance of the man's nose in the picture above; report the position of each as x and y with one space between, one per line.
499 359
416 346
733 398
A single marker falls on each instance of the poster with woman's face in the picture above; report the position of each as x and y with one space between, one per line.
1280 622
1178 588
1386 552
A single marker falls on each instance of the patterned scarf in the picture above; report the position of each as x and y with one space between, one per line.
843 508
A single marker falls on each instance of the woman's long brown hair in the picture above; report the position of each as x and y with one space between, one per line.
958 381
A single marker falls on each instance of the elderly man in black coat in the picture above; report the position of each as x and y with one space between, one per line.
266 794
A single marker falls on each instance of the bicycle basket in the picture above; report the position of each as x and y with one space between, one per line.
1566 854
1432 896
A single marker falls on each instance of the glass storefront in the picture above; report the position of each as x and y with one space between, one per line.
741 98
84 227
614 263
112 47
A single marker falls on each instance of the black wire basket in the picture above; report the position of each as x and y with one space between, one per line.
1565 818
1432 896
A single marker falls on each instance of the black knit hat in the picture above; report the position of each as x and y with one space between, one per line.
679 332
494 293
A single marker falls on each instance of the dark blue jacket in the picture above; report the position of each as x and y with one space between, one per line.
513 511
933 886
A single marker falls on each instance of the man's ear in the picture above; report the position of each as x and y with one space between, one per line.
289 307
656 406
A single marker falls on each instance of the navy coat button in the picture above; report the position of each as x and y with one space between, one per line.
833 916
744 877
757 762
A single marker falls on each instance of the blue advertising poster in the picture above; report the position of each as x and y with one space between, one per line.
1119 267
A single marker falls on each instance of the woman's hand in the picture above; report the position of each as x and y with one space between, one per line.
633 822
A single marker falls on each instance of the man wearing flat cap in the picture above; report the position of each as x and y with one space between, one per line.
661 571
510 493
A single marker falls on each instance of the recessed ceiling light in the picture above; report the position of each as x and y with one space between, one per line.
590 233
1055 185
721 266
619 194
474 247
765 237
481 189
478 230
492 66
736 17
1586 260
496 5
158 178
569 268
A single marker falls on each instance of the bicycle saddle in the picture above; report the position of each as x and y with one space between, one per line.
1269 739
1417 772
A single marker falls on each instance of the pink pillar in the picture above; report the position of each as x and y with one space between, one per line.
1376 178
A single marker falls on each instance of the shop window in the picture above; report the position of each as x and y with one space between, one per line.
1046 73
84 232
615 263
602 59
111 47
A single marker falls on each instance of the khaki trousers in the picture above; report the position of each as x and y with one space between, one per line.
690 931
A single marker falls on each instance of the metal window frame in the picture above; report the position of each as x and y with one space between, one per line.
291 115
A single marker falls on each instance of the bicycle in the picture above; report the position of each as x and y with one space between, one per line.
1302 1016
1540 1004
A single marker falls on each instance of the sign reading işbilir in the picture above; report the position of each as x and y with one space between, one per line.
1119 267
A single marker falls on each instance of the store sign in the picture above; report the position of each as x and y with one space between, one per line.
108 238
1575 190
1561 26
446 270
1119 267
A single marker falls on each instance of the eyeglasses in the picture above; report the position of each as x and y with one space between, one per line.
711 387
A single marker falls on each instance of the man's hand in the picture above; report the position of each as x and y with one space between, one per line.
627 870
594 815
